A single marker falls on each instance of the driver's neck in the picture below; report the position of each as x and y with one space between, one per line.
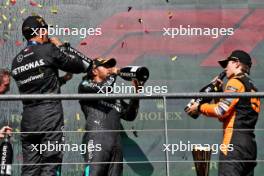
38 39
237 72
97 79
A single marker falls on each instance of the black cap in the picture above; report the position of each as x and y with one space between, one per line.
240 55
105 62
32 22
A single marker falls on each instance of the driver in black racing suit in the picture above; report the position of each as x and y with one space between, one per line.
104 115
35 70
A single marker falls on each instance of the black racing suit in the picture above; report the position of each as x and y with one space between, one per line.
35 70
104 115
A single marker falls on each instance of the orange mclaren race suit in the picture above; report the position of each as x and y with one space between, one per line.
239 117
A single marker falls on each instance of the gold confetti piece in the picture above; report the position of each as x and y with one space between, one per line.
0 22
23 11
17 130
4 17
65 121
9 26
34 14
7 36
77 116
7 3
54 10
80 129
174 58
40 6
159 104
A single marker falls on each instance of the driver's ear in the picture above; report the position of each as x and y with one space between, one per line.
42 32
95 71
238 64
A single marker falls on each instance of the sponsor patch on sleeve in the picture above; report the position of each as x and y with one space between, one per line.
232 89
227 101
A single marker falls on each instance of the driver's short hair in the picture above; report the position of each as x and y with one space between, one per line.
245 68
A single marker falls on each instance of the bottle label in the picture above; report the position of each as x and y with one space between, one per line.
128 74
134 68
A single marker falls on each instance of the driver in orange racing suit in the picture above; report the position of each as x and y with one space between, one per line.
239 117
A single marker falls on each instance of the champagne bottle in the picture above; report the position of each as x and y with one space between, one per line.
6 155
134 72
211 87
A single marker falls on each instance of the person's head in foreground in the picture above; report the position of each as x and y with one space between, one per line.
238 62
4 80
34 28
103 68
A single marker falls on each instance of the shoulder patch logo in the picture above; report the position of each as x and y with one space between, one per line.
231 88
20 58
